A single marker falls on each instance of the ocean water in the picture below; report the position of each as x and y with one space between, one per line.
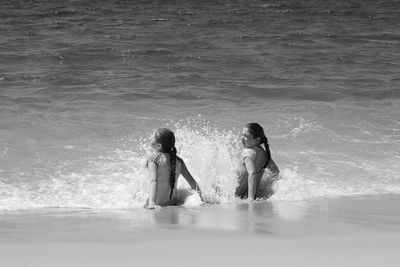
84 84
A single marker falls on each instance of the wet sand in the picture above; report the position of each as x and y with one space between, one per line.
360 231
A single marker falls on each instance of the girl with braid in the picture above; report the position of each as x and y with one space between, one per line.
255 159
164 169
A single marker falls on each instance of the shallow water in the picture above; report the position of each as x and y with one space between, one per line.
84 84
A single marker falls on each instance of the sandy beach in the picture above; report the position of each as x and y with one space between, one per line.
360 231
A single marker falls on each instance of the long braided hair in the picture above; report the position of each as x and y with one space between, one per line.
166 138
256 130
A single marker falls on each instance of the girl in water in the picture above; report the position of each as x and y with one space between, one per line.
254 160
164 169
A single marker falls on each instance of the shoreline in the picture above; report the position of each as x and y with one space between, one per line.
329 232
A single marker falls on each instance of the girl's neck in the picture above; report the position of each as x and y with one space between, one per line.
255 146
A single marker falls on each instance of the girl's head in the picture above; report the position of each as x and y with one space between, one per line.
164 141
253 135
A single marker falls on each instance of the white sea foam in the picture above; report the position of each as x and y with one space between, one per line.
117 179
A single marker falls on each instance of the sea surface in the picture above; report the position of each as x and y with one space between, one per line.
84 85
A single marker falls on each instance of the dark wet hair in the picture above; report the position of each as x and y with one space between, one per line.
256 131
166 138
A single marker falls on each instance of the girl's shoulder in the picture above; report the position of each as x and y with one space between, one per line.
249 153
157 158
252 152
178 159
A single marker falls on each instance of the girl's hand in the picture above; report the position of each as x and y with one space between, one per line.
202 201
200 195
251 200
152 206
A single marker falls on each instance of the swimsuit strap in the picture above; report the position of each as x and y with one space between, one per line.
157 158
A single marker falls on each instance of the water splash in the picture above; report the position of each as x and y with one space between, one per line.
116 178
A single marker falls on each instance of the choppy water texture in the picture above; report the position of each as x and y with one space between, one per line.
83 84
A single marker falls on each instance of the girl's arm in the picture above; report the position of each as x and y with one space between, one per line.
153 185
249 163
189 178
